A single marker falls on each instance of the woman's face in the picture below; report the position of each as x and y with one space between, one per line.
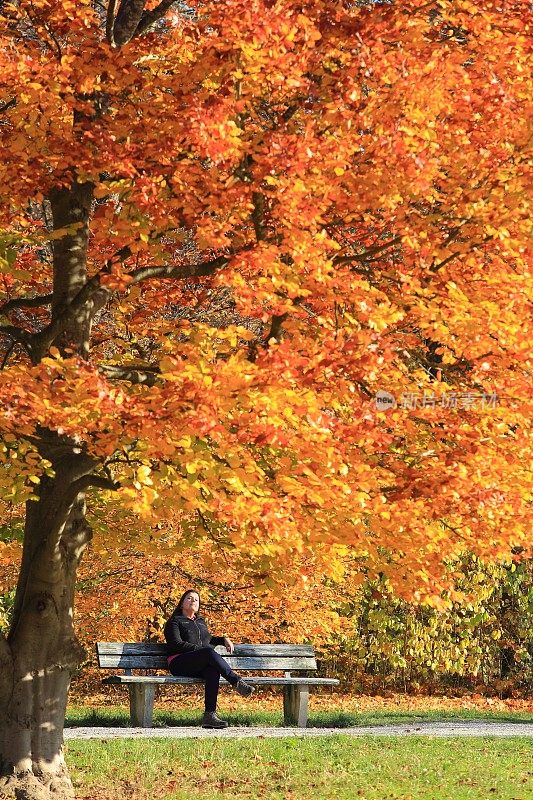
191 604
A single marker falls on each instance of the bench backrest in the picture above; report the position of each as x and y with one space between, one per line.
151 655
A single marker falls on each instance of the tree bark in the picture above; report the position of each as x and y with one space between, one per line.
41 649
128 18
71 209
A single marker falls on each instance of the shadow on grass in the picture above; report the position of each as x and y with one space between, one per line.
119 718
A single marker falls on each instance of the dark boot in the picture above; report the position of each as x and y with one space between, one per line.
210 720
244 688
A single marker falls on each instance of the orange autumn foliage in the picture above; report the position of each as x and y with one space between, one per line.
291 207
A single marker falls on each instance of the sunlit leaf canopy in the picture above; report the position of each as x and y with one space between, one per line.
294 206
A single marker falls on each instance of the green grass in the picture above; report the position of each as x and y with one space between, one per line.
331 768
118 716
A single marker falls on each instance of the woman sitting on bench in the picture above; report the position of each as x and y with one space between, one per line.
191 654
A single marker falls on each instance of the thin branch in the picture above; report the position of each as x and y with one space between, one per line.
222 588
435 267
441 264
258 216
55 41
27 302
137 375
453 530
212 536
102 576
185 271
371 251
17 334
8 353
8 104
52 35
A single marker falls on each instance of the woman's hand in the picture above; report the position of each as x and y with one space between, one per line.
228 644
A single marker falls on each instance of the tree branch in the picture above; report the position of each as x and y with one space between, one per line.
185 271
137 375
26 302
110 22
275 328
150 17
8 353
35 23
435 267
371 251
37 344
258 216
441 264
127 20
18 335
8 104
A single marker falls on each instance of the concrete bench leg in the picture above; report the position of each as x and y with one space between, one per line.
141 704
295 705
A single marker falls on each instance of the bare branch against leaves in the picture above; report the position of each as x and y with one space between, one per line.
370 251
133 20
138 375
26 302
7 105
110 22
149 18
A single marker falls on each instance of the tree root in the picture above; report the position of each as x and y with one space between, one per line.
29 787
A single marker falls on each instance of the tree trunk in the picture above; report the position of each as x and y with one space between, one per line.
41 650
71 209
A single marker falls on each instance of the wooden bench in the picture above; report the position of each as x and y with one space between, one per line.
284 658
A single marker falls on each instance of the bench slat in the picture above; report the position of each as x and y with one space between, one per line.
256 680
155 648
237 663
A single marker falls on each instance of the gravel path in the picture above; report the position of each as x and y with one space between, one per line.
441 729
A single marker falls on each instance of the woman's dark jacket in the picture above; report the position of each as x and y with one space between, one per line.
184 635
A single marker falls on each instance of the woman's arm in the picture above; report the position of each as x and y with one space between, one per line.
223 640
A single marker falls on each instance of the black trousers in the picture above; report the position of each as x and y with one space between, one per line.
204 663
